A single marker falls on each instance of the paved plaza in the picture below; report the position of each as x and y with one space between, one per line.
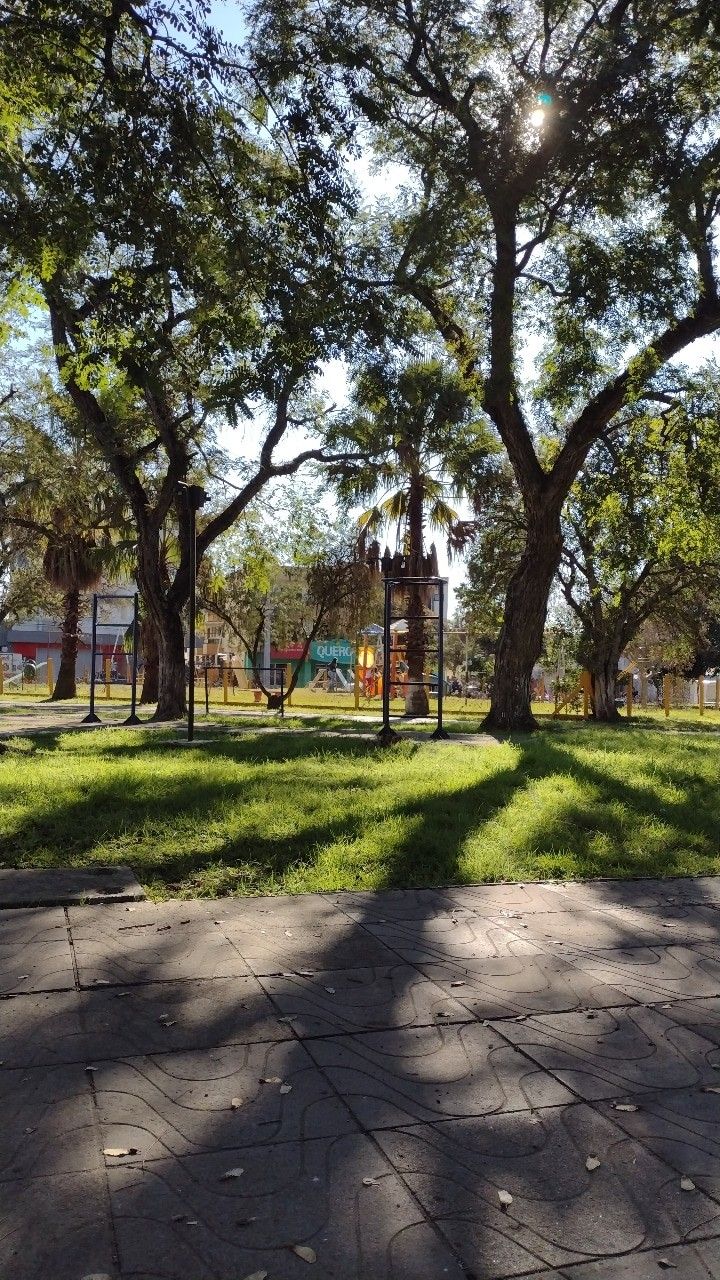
478 1082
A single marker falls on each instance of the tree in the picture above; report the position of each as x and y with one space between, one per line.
296 573
177 298
563 185
417 427
641 532
56 498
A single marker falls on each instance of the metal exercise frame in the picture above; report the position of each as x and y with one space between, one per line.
133 718
387 734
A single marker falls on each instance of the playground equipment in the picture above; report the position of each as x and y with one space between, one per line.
393 587
91 717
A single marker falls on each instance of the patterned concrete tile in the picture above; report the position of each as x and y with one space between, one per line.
625 893
605 1054
142 951
675 924
32 925
680 1126
186 1103
362 1000
181 1218
653 974
490 899
314 948
166 1016
36 965
591 929
57 885
47 1123
395 1077
703 1016
41 1029
395 904
461 939
561 1212
699 1261
502 986
56 1229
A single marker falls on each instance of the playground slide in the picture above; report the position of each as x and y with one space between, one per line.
344 683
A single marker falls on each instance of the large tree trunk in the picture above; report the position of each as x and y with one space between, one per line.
65 686
165 612
521 636
416 698
172 703
604 674
151 661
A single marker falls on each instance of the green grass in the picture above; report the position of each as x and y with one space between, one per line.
270 812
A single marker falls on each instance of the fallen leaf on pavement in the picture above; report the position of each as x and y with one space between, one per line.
230 1174
305 1252
505 1198
687 1184
119 1151
591 1163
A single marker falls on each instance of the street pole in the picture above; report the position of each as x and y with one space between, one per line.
195 497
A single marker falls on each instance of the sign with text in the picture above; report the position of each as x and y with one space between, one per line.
325 650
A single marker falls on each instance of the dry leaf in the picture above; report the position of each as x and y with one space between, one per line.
236 1104
710 1088
97 1275
505 1198
289 1017
257 1275
628 1106
369 1182
306 973
591 1163
270 1080
457 984
98 982
119 1151
230 1174
22 976
285 1088
666 1264
305 1252
443 1013
687 1184
330 991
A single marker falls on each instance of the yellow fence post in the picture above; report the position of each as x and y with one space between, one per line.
666 695
225 684
108 672
50 674
586 680
701 695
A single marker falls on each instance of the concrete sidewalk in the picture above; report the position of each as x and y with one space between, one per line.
480 1082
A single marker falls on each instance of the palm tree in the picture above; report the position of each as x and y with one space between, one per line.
72 564
423 446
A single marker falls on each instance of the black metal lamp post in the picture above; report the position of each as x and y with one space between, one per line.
196 497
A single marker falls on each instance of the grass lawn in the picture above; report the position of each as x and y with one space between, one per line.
277 811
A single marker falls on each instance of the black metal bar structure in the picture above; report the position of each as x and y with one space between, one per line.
387 735
196 497
134 718
91 717
439 732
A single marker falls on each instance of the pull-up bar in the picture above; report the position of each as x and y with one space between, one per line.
133 718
